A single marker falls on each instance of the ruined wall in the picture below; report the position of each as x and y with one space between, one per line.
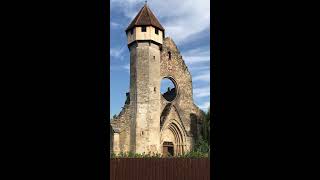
122 125
174 68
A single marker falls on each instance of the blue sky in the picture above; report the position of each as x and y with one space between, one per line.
187 22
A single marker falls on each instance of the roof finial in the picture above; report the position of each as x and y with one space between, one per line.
145 1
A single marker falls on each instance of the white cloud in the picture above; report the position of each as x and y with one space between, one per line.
196 59
127 67
201 92
205 106
117 52
114 24
120 67
200 68
205 76
196 56
205 51
182 19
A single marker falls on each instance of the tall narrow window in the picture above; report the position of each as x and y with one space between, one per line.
131 31
143 29
169 53
156 31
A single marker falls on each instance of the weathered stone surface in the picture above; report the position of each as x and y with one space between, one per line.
121 125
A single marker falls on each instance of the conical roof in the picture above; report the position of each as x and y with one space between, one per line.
145 17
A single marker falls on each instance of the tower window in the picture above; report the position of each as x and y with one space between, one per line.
143 29
169 54
131 31
156 31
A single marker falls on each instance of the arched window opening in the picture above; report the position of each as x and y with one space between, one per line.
168 89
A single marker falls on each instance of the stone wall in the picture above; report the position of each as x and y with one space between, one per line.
122 124
174 68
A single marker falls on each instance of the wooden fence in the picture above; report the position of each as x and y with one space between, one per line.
160 169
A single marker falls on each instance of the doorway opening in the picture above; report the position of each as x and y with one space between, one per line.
168 149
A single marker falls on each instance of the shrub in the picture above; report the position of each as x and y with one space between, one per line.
191 154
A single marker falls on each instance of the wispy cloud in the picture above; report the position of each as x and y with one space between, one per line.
120 67
205 106
114 24
205 76
196 55
201 92
126 67
190 60
117 52
204 51
201 68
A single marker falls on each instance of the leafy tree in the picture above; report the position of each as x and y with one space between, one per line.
206 127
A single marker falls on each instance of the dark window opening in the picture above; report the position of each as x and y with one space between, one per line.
131 31
156 31
169 54
143 29
128 98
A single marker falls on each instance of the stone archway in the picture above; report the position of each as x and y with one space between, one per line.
172 132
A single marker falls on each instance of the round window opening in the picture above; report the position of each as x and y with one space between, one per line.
168 89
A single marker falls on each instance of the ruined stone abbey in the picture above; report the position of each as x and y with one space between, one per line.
151 121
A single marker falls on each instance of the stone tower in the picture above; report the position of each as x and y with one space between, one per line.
145 37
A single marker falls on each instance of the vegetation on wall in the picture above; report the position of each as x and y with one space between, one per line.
206 127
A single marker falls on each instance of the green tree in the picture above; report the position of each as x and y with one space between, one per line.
206 127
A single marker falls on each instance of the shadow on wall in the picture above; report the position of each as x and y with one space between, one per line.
164 114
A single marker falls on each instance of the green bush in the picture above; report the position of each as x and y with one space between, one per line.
191 154
202 146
